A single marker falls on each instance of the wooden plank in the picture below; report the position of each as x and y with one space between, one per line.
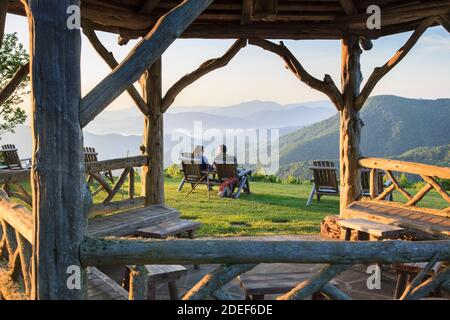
146 52
157 273
271 283
129 222
101 287
371 227
143 251
379 213
167 229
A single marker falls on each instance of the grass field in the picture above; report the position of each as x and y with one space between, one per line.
271 209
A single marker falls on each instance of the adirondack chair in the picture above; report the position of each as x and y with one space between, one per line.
90 155
226 168
12 160
365 183
325 181
193 173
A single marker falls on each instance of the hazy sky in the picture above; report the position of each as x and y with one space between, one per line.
255 74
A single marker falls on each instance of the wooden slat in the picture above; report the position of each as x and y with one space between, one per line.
101 287
393 216
167 229
129 222
371 227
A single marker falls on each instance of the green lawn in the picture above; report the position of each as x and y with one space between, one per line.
271 209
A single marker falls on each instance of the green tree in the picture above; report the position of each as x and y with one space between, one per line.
12 56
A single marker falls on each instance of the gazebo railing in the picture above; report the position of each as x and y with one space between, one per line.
238 256
16 234
428 174
127 165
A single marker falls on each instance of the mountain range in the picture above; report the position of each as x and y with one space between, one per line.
394 127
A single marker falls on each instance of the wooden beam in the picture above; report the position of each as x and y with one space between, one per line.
265 10
108 57
15 81
379 72
326 86
247 10
418 279
152 175
350 123
144 54
404 166
349 7
444 21
214 280
60 197
204 69
149 6
3 10
109 251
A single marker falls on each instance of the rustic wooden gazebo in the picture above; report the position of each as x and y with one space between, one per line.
42 246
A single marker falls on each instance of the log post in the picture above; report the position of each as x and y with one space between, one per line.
153 145
350 123
3 11
60 196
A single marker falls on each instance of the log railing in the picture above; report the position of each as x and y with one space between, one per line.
16 234
237 257
127 165
13 183
428 173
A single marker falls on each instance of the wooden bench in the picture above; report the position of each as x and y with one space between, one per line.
169 229
421 222
128 222
257 285
367 228
102 287
412 219
158 274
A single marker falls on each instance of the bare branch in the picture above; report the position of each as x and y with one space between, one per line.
380 72
204 69
15 82
327 86
108 57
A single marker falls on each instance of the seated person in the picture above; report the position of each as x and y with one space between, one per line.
198 153
222 156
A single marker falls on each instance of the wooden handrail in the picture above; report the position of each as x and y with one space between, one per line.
115 164
108 251
17 216
407 167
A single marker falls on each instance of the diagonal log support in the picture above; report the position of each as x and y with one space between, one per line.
143 55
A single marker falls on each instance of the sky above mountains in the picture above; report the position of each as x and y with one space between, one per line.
256 74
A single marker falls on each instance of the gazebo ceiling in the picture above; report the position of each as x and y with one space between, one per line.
282 19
